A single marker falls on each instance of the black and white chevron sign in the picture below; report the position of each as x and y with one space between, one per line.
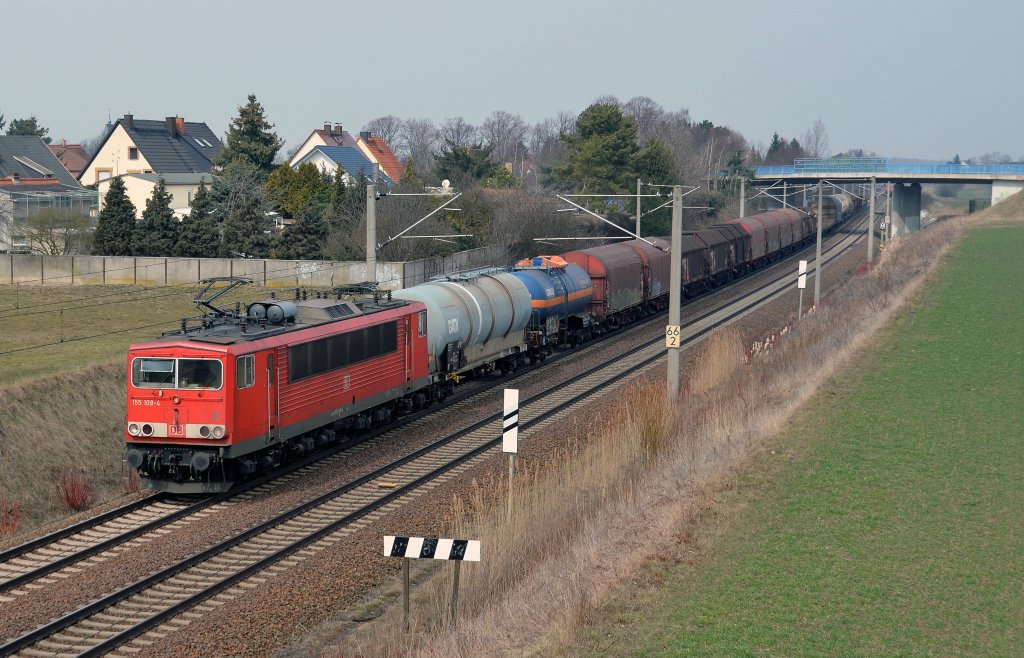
433 548
510 424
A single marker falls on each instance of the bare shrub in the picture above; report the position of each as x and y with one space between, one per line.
132 483
11 512
74 491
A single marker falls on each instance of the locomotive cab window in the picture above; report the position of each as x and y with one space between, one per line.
245 371
153 373
200 373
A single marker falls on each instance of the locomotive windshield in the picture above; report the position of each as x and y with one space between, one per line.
177 373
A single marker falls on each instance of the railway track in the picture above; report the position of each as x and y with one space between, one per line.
129 619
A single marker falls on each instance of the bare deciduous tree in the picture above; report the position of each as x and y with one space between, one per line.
646 114
386 127
418 140
815 141
56 232
506 133
457 132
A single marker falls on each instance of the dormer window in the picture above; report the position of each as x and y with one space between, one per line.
133 153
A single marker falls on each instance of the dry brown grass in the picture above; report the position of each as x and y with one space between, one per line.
1010 209
584 524
57 423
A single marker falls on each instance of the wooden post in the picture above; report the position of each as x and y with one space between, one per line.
455 592
405 593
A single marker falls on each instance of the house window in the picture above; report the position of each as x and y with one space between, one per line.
190 197
133 153
102 174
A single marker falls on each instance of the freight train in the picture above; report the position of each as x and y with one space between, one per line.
243 392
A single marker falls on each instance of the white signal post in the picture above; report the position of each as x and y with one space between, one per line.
675 294
801 283
510 437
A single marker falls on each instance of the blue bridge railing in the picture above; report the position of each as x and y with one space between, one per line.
884 166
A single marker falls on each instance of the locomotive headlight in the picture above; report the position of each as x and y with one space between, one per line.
147 430
134 429
218 431
204 431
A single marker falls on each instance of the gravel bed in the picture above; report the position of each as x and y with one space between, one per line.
325 587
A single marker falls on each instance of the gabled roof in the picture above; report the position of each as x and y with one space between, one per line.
172 145
29 157
168 153
383 154
72 156
336 137
351 160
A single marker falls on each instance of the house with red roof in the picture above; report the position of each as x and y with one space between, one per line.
72 156
378 152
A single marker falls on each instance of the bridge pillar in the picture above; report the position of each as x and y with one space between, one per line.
906 208
1004 188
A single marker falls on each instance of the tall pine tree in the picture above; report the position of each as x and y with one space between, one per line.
304 240
250 138
247 233
116 224
599 157
199 236
157 233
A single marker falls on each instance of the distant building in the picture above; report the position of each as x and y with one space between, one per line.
139 188
329 136
380 153
351 160
72 156
33 179
142 146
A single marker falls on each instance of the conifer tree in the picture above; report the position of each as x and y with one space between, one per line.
247 232
199 236
116 224
157 233
250 138
304 240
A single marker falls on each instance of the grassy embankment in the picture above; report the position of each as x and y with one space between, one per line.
626 502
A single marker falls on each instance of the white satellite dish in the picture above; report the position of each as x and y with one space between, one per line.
445 184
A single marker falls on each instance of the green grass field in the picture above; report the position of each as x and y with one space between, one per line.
48 329
890 520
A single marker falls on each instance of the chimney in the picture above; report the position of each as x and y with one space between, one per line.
327 127
15 178
169 122
337 129
365 134
63 142
179 125
127 122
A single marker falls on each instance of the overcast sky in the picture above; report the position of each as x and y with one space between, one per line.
915 78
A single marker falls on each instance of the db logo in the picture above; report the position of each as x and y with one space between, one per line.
176 430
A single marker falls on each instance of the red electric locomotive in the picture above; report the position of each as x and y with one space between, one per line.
212 404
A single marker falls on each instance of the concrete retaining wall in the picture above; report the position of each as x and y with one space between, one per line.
31 269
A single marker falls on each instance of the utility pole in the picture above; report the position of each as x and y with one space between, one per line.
888 213
817 252
675 293
371 233
637 231
785 196
871 222
743 198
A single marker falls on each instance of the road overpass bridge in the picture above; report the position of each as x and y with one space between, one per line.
905 179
